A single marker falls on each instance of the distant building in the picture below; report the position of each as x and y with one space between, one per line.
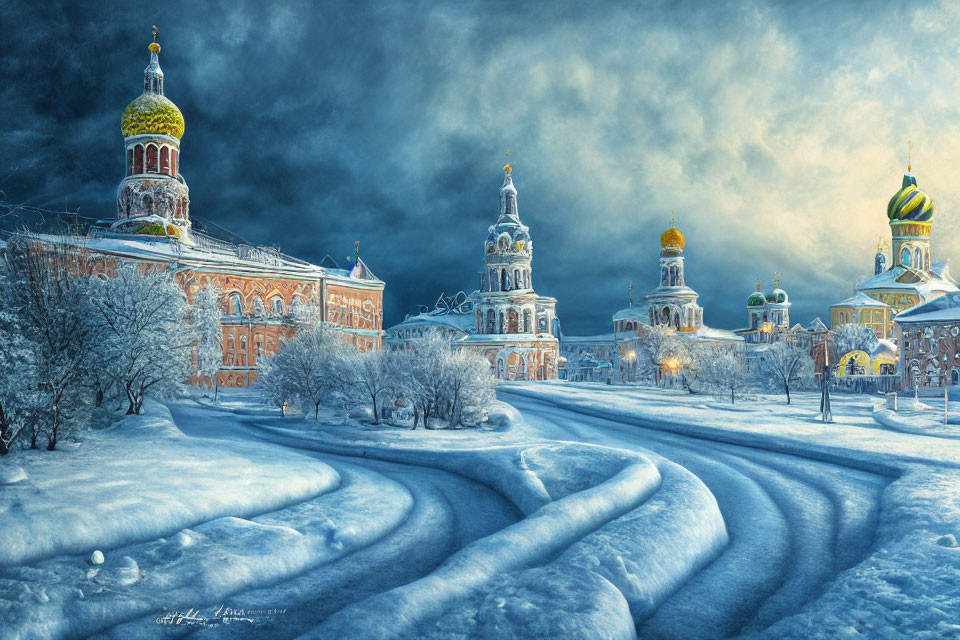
928 337
768 315
261 290
912 278
588 358
510 324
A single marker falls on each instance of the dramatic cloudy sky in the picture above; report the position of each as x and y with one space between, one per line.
777 131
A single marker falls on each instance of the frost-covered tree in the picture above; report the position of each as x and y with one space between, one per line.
789 364
19 401
421 375
659 347
855 337
691 358
371 377
145 339
205 316
725 369
309 367
469 386
45 286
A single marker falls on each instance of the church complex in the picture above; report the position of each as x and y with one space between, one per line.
261 288
913 306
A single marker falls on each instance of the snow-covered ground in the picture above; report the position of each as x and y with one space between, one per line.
580 511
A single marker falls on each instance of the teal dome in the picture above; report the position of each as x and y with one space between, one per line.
756 299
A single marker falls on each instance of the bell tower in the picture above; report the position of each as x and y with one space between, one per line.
153 197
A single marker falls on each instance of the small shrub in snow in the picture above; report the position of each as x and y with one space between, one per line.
205 316
790 366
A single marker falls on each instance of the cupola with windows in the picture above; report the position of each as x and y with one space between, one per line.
153 187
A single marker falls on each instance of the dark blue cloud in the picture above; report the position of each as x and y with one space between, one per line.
310 125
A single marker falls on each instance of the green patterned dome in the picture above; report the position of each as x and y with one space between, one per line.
910 204
756 299
152 113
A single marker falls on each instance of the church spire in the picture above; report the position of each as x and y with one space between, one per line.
508 192
153 74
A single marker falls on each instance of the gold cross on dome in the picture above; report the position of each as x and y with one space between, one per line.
154 30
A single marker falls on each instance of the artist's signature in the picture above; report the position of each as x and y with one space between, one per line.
217 615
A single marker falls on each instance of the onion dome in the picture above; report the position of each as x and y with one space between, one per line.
152 113
910 204
779 296
756 299
672 239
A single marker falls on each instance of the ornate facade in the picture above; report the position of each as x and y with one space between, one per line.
515 328
673 303
912 277
262 290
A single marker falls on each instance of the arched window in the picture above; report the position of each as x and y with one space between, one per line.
151 158
231 351
932 375
276 306
504 280
500 322
516 278
905 257
527 321
513 319
917 258
165 160
954 376
491 321
173 163
138 159
146 204
243 351
235 305
130 162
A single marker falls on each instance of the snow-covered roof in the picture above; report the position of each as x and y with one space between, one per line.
883 347
816 325
459 321
709 333
945 308
640 312
860 299
509 337
599 338
207 253
925 283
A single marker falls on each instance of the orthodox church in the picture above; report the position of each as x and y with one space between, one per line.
261 289
768 315
510 324
912 277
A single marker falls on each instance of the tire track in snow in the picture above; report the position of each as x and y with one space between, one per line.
824 521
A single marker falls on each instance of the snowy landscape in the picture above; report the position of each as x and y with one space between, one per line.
577 510
724 405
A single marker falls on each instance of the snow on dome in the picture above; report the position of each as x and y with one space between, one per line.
151 113
756 299
780 296
910 204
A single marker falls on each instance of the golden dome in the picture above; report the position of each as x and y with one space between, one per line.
152 113
672 239
154 47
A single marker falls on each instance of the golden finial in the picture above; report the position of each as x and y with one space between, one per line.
758 284
631 294
507 168
673 219
776 280
154 46
909 154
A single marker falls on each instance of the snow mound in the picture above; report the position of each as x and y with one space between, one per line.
142 479
12 474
